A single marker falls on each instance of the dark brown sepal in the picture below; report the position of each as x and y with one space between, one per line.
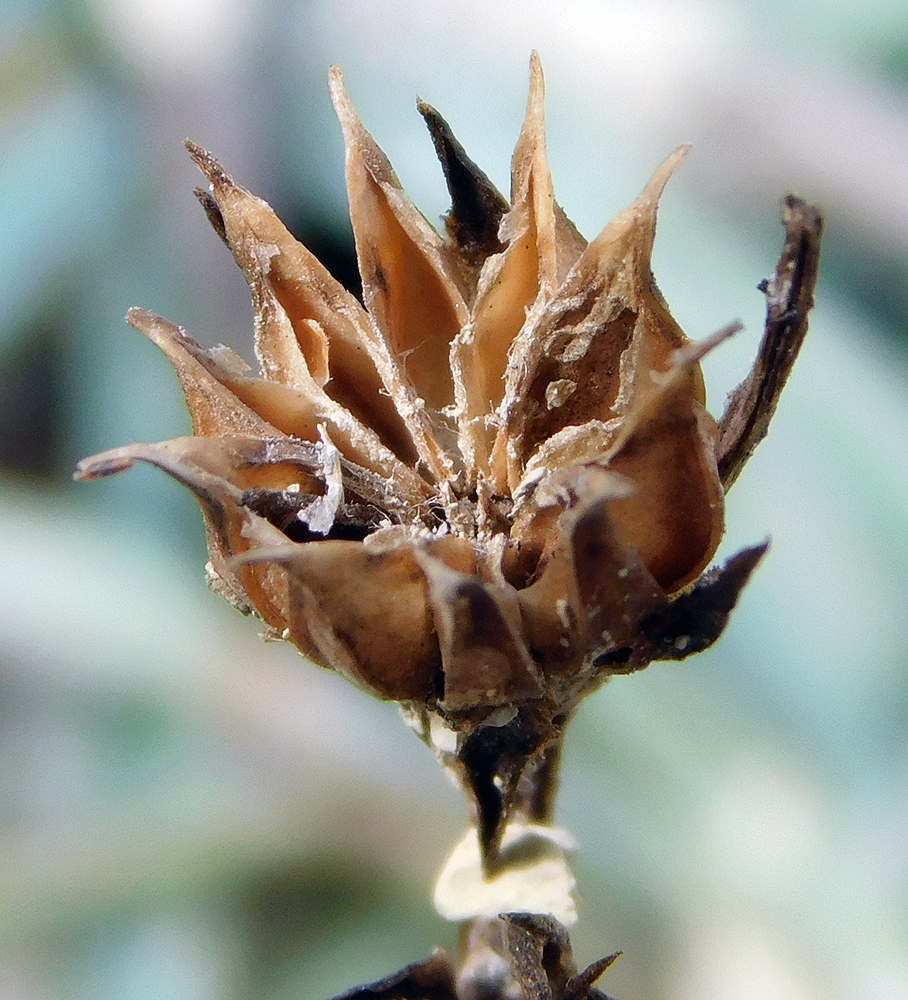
429 980
500 765
698 617
477 207
789 299
580 987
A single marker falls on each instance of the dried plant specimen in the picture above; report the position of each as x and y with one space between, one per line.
480 493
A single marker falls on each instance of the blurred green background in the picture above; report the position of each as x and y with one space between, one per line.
186 812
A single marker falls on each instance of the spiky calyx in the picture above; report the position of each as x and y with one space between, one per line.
490 486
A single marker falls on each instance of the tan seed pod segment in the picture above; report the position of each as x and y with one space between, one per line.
492 485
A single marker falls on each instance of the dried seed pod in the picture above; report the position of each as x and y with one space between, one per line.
493 486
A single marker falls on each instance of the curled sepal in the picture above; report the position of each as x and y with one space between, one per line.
207 379
789 299
203 465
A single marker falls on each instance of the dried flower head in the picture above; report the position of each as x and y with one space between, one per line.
494 484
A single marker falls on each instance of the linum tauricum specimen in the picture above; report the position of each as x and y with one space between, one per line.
481 493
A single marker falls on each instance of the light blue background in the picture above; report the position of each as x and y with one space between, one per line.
187 812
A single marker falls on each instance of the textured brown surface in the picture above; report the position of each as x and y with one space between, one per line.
485 492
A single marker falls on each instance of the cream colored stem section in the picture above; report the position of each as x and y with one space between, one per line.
534 877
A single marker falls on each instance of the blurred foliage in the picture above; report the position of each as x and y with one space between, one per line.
186 812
